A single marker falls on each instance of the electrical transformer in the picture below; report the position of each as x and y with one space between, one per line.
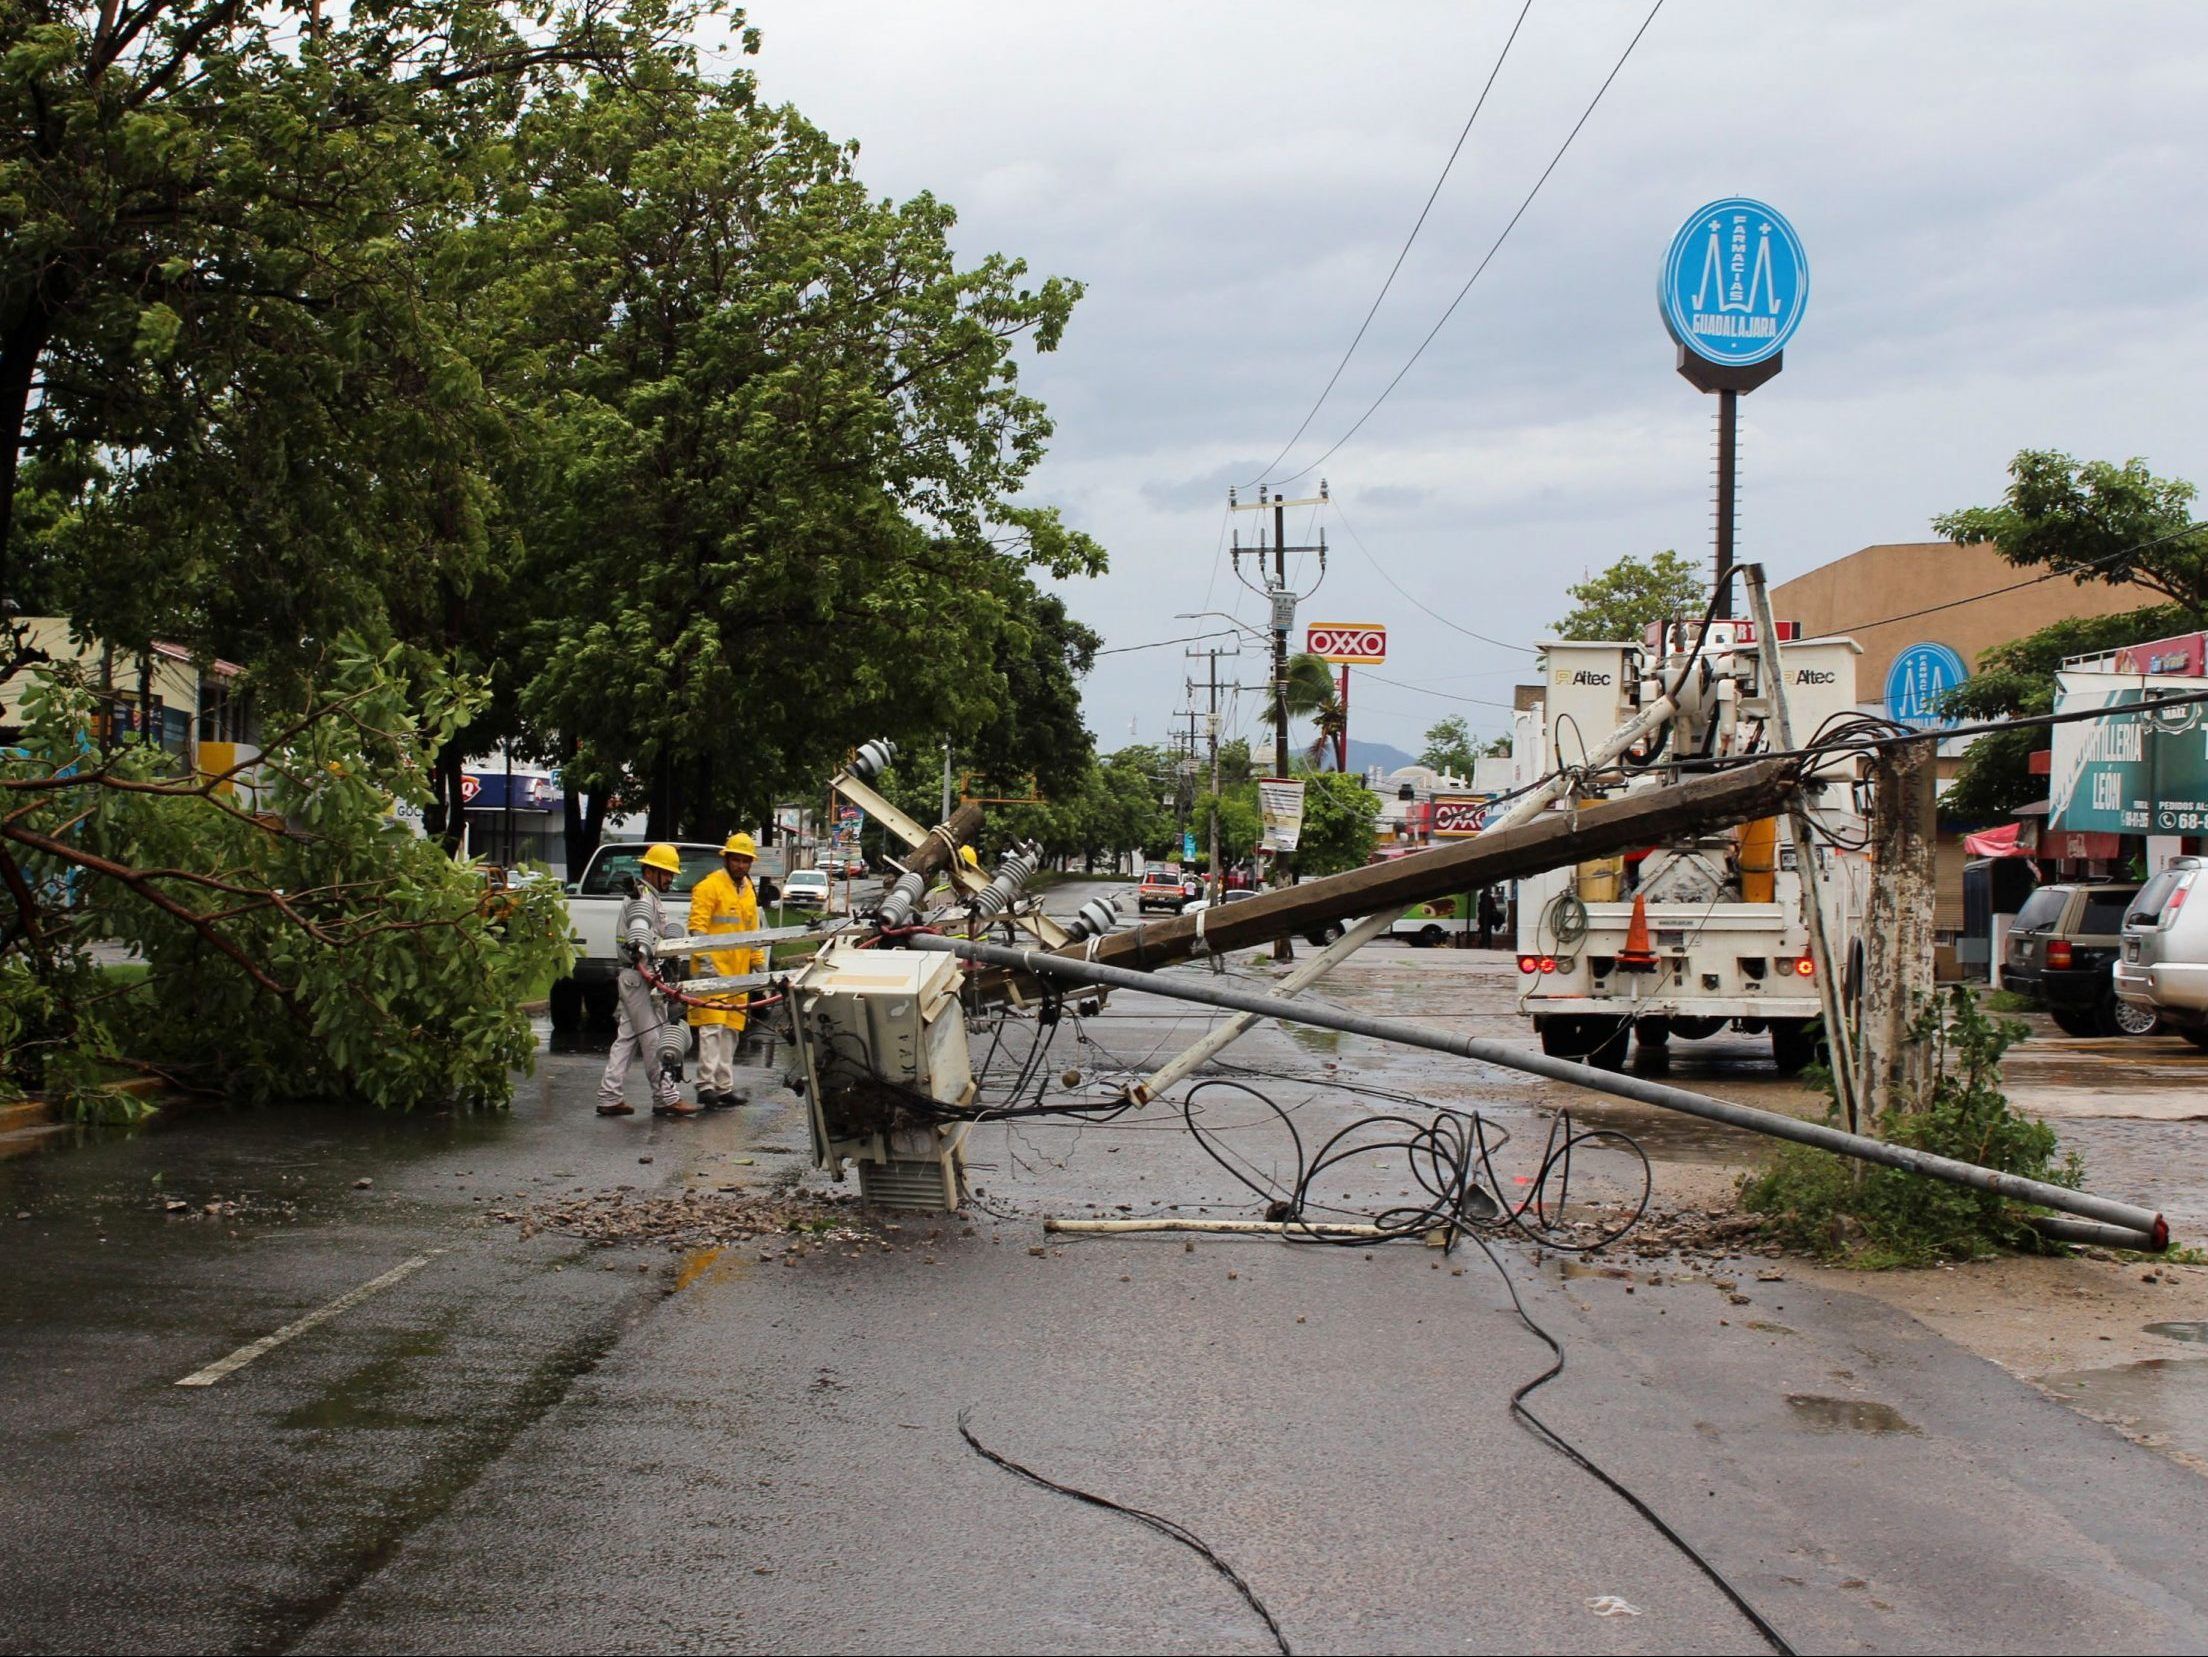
881 1033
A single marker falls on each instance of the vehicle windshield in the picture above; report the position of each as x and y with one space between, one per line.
809 877
2042 908
615 867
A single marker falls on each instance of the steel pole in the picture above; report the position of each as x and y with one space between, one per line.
2129 1216
1728 423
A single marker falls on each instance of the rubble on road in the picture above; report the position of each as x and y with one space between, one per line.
697 1219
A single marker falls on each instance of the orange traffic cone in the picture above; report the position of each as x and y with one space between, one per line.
1639 955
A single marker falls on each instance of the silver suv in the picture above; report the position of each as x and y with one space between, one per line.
2164 964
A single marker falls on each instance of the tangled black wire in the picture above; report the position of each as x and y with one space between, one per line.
1451 1158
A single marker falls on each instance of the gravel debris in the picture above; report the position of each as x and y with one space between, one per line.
691 1219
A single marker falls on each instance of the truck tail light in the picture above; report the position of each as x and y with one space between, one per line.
1548 963
2176 901
1805 968
2058 953
1529 964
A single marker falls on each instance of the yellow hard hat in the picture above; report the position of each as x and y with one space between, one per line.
665 857
967 857
739 845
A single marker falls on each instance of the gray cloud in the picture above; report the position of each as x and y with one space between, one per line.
2001 204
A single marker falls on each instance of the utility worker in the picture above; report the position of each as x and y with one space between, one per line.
724 901
640 1032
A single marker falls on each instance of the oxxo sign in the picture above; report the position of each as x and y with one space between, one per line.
1358 643
1457 817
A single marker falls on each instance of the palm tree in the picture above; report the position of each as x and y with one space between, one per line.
1311 693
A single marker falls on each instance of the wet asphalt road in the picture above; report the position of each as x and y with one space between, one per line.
529 1444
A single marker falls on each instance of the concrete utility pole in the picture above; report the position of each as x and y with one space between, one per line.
944 814
1211 863
1897 932
1839 1039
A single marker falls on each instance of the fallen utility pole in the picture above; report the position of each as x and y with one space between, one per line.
1552 838
2148 1231
1528 806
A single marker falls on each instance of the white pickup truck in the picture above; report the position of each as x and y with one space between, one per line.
594 906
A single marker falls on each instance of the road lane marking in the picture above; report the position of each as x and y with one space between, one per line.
322 1314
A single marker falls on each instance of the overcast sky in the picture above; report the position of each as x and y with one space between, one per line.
2002 206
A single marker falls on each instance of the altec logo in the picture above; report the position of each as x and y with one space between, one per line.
1581 676
1359 643
1815 676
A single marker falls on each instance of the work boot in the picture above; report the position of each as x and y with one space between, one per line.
717 1101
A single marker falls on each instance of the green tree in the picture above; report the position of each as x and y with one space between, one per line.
769 494
1310 692
2095 521
1621 601
1340 824
238 403
2018 679
1448 747
309 947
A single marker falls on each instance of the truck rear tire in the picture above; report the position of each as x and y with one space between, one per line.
1606 1041
2073 1021
1429 937
567 1006
1793 1044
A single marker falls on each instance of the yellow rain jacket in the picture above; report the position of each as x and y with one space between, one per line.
718 904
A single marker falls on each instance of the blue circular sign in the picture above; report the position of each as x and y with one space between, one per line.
1919 677
1735 282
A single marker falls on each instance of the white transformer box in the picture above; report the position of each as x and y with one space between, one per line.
880 1033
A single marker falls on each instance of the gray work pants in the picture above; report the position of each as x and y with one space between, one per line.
636 1038
717 1045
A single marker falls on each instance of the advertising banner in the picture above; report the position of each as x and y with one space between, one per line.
2142 772
1280 812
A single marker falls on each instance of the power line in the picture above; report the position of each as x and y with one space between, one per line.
1402 254
1405 684
2032 581
1585 115
1160 644
1414 598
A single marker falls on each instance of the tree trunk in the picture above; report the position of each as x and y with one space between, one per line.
659 813
19 355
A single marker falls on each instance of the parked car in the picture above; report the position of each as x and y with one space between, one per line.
2063 946
1199 905
2164 965
854 868
1167 886
806 889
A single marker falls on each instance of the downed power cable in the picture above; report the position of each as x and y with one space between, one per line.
2150 1231
1156 1521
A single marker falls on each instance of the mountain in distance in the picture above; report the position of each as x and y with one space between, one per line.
1385 755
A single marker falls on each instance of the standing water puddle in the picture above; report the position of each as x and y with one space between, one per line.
2162 1402
1821 1414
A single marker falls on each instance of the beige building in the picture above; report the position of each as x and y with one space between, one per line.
1968 598
197 713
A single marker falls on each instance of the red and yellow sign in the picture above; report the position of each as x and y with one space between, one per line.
1457 816
1357 643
